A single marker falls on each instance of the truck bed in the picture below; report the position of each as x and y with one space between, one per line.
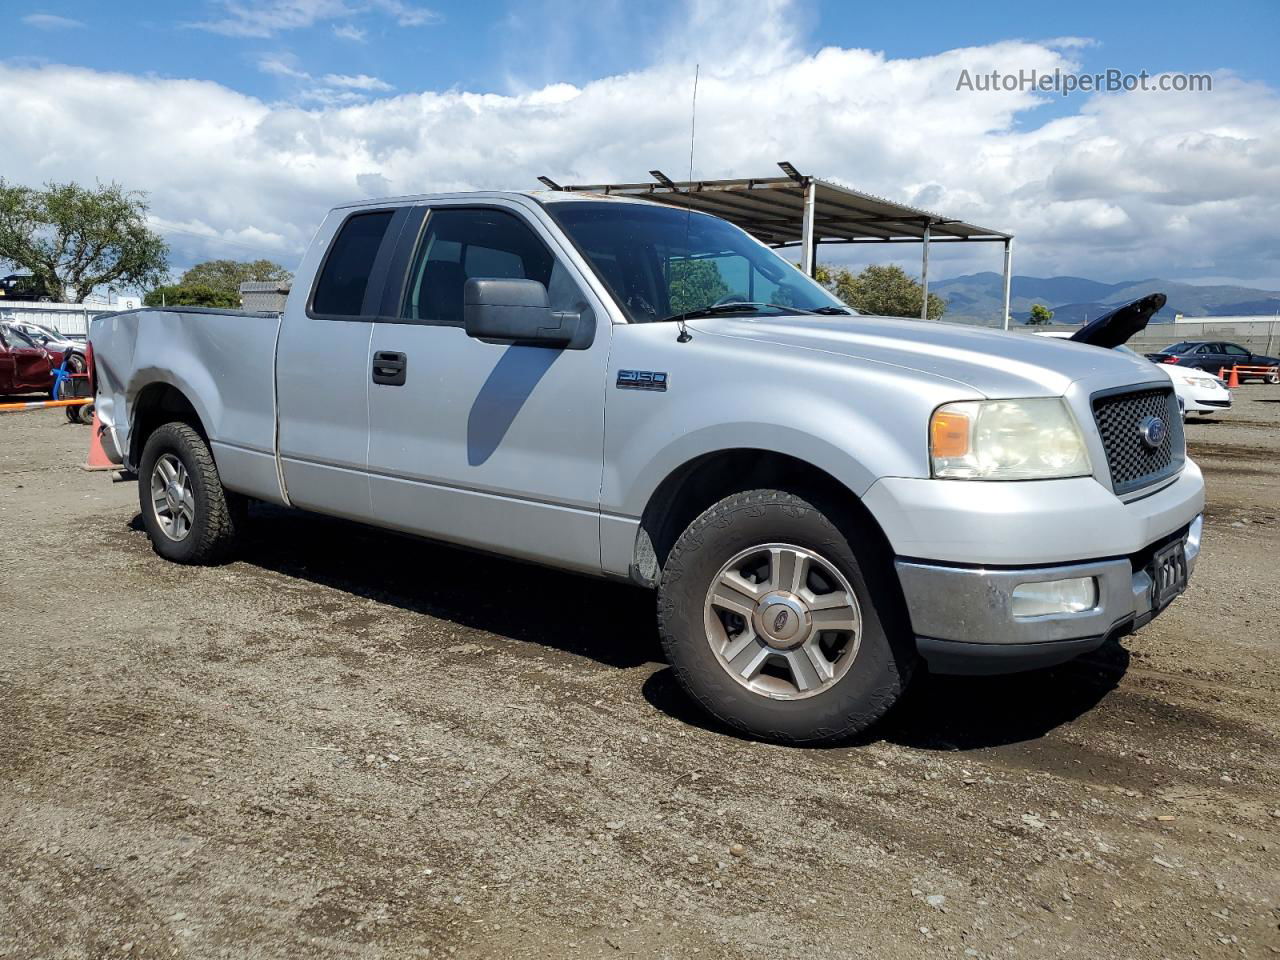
223 361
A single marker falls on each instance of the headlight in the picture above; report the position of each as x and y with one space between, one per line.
1007 440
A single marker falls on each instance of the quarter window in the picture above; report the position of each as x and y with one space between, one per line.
344 279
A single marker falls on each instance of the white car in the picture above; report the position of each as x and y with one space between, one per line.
1197 391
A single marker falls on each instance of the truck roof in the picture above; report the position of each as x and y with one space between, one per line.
539 196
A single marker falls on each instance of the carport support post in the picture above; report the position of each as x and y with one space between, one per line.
924 275
1008 276
809 258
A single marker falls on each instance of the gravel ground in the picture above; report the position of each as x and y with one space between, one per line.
351 744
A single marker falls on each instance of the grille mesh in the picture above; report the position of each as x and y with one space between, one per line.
1119 417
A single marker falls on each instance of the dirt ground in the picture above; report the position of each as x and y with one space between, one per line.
351 744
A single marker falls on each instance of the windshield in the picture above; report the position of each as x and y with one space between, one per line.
661 263
1182 347
17 338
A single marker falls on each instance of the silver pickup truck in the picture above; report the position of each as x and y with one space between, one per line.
822 500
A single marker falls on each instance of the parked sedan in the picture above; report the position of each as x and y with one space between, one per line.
1213 355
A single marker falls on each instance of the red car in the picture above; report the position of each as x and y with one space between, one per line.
25 366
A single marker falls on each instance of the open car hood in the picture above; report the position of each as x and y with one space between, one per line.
1112 329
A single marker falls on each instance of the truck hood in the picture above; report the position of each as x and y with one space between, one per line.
994 363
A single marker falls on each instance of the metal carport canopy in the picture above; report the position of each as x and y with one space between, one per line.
798 209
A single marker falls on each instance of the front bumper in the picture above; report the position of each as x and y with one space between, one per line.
1207 402
963 619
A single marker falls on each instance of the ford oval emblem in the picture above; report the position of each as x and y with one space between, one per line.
1153 431
780 621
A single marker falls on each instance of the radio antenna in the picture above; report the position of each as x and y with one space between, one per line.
685 336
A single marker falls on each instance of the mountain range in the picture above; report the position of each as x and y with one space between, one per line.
1076 299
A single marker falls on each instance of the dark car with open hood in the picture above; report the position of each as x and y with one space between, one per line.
1214 355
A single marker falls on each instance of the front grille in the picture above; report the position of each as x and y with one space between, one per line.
1120 418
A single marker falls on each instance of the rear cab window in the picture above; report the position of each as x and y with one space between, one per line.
341 289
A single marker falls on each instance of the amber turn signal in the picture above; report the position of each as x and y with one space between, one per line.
949 434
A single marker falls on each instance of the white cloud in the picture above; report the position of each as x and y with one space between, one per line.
1071 43
1132 185
51 21
266 18
407 14
360 81
282 65
349 31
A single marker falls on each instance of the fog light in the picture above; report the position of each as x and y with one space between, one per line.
1055 596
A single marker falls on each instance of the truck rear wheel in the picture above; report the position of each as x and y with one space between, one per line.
783 621
189 517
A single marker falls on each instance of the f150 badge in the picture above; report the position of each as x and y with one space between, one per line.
642 380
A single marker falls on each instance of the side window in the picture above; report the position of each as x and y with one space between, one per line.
345 275
1232 350
19 340
1206 349
459 244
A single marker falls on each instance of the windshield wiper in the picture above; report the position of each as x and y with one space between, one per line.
833 311
735 307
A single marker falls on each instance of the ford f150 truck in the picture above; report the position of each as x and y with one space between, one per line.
822 500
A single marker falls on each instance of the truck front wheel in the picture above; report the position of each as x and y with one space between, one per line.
189 517
783 621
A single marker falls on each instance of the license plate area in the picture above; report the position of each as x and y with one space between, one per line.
1168 572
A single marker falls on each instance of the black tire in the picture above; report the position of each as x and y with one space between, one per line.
212 532
884 660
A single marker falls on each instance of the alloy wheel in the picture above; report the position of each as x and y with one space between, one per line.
172 497
783 621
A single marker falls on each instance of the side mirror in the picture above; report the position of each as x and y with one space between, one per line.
517 312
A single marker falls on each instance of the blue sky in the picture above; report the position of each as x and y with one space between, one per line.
500 46
244 120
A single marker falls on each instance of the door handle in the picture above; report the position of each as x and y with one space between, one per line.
389 368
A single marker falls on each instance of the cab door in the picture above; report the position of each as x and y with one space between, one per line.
322 363
489 445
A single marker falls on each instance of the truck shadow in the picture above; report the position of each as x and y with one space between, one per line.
959 713
613 624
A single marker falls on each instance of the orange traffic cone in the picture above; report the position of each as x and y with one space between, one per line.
98 459
1234 382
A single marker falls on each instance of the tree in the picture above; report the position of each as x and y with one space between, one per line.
190 295
1040 314
695 284
883 291
74 239
227 275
